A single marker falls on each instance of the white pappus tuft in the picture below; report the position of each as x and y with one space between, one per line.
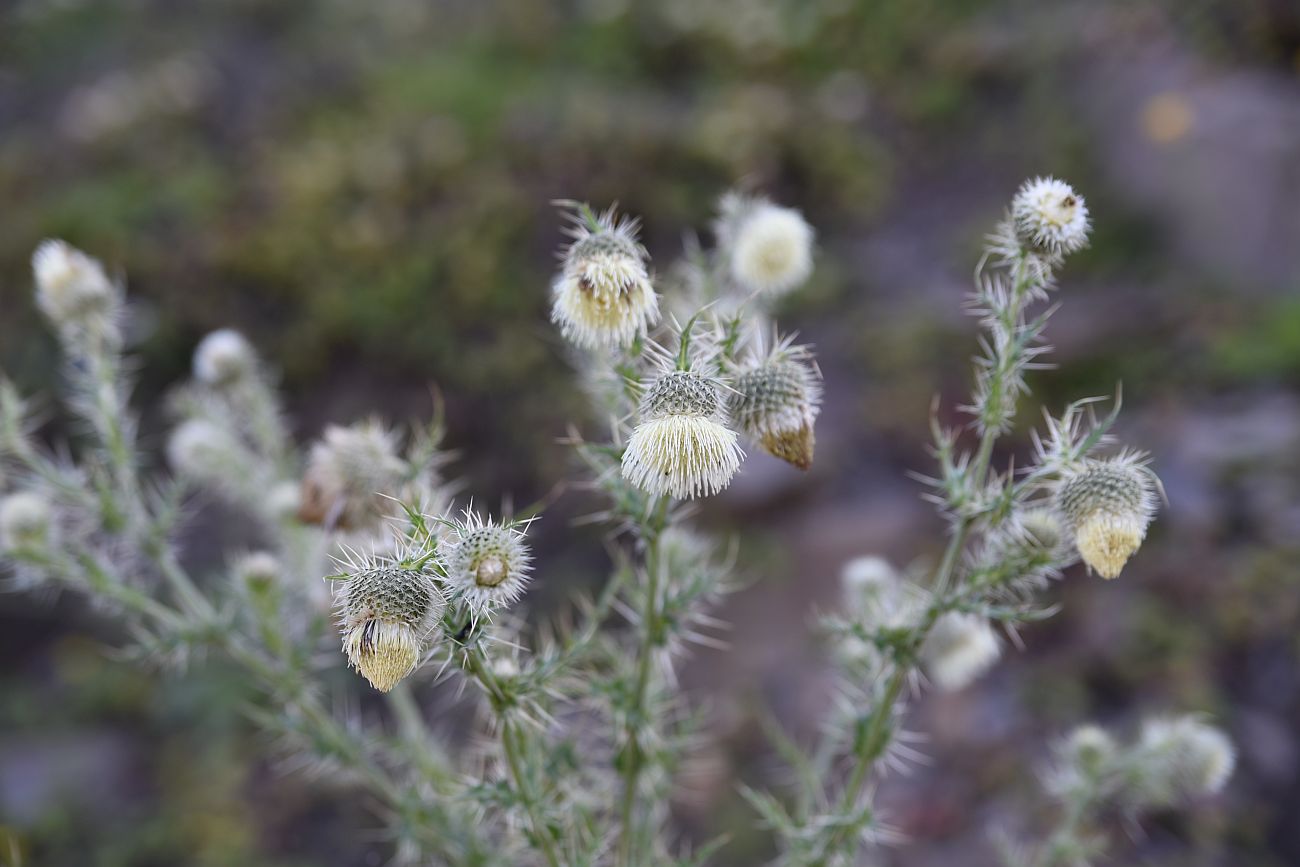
768 248
603 295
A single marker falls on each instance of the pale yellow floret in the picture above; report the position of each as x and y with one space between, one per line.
383 651
1106 540
683 456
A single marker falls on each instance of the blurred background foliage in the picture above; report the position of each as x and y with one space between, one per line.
364 189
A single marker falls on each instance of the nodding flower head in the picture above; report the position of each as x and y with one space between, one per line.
682 447
1108 504
768 247
224 357
959 649
775 400
73 290
1050 217
350 474
387 614
603 296
487 563
1183 758
25 521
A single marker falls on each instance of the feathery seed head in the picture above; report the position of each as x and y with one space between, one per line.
682 447
223 357
776 399
387 615
1108 504
1184 758
1050 217
959 649
603 296
350 474
769 247
73 290
487 563
26 521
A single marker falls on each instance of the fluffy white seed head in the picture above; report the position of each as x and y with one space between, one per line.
387 615
603 295
487 563
26 521
775 400
682 447
959 649
1050 217
200 450
769 248
351 473
1184 758
73 290
224 357
1108 505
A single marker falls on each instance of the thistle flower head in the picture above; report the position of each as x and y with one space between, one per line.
1108 504
768 247
867 575
1088 750
73 290
775 400
603 296
682 447
350 474
257 570
487 563
387 614
1184 758
959 649
1050 217
223 357
199 449
26 520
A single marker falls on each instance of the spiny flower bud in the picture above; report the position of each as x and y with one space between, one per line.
72 288
603 296
1050 217
487 563
959 649
223 357
775 401
387 615
350 474
682 447
769 247
25 521
1109 504
1183 758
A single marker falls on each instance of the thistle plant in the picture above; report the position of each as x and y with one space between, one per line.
363 557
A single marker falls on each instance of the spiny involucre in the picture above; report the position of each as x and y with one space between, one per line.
775 400
73 290
351 474
682 447
1109 504
487 563
768 248
387 614
1050 217
603 296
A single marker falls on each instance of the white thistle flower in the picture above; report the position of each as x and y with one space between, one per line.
682 447
960 648
387 615
868 575
284 500
73 290
1089 750
603 296
487 563
351 473
769 248
1109 505
257 570
1050 217
223 357
1184 758
26 521
775 400
199 449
